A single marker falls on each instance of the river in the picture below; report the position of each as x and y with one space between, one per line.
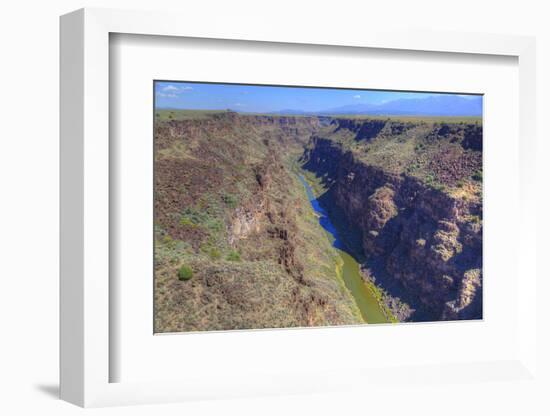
364 298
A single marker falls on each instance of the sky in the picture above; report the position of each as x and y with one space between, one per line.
262 99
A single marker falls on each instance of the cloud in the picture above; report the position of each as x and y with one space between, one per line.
357 96
165 95
240 105
172 91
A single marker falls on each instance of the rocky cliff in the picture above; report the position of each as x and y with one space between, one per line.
423 226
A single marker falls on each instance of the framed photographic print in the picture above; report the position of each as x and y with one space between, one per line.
282 213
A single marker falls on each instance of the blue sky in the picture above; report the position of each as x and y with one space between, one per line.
253 98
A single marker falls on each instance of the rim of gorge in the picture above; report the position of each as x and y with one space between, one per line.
252 213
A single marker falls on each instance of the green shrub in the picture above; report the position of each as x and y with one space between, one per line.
185 273
230 200
215 254
187 221
234 256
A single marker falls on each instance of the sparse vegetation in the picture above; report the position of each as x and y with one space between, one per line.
233 256
194 217
414 119
230 200
178 115
215 254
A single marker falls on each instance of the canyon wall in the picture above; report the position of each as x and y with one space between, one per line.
429 240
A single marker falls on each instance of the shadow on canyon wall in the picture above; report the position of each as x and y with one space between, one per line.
351 238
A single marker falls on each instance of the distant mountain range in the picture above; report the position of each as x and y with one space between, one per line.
436 105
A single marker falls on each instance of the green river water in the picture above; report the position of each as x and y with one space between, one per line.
349 268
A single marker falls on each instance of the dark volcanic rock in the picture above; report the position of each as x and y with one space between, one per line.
473 138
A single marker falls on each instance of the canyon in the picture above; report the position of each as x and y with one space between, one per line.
404 195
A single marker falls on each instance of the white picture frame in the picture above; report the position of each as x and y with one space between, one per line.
85 217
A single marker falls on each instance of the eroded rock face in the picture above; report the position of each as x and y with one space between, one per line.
244 222
469 300
425 238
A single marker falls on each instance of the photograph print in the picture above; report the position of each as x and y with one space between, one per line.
293 207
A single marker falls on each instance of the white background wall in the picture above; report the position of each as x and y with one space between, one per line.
29 56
